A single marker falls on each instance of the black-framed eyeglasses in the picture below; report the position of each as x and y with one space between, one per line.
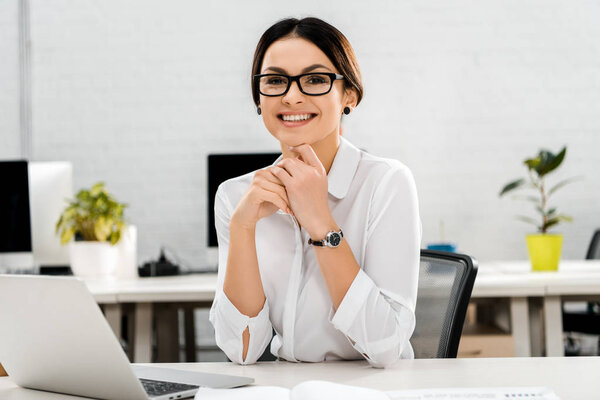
311 84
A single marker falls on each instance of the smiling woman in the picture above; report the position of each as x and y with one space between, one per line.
284 261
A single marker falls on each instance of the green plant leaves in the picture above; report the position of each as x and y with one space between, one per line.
97 189
555 220
512 186
67 235
546 161
94 214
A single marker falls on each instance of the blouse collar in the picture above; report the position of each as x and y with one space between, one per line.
343 169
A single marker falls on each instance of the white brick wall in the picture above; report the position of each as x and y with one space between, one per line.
10 145
137 93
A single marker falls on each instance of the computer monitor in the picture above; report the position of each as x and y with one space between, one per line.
226 166
15 222
50 188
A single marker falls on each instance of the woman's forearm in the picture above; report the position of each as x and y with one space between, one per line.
339 268
338 265
242 285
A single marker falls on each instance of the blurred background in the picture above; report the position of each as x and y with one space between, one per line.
137 94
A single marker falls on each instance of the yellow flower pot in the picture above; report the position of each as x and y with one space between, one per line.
544 251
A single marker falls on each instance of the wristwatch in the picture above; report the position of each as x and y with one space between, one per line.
332 239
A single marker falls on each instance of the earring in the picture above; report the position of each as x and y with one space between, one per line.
346 110
258 110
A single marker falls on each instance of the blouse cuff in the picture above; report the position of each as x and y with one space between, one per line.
353 301
240 321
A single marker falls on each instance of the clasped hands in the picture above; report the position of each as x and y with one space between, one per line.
297 186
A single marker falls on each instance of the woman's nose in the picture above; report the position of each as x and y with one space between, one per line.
293 95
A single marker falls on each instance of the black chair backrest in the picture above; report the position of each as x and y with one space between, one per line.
445 285
593 252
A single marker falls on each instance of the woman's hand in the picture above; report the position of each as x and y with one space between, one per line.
305 181
264 197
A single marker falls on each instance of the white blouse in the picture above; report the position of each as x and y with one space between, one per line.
374 201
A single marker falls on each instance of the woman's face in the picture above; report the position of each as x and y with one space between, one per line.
295 56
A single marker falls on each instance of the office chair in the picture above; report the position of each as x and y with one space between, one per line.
445 285
586 320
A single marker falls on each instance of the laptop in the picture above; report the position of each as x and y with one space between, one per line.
53 337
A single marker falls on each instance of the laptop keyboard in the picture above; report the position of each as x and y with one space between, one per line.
159 388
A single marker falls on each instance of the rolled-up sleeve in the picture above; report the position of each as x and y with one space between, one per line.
377 314
228 322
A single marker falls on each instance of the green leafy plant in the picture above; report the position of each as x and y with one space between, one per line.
538 168
94 215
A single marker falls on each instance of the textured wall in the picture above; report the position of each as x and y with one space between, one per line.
10 145
137 93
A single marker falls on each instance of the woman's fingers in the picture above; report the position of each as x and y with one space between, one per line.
270 176
283 175
275 188
271 189
309 156
276 199
294 167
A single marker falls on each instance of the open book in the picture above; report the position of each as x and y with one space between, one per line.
322 390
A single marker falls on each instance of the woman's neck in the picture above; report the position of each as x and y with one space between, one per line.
325 149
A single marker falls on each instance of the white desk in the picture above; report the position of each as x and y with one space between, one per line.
575 280
572 378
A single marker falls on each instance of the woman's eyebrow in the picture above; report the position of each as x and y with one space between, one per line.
309 68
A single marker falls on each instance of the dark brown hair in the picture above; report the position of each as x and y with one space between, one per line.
326 37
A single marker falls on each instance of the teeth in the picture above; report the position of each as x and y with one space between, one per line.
297 117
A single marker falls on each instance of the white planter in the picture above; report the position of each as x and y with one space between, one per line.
127 247
93 260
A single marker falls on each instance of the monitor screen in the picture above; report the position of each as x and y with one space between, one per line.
15 221
226 166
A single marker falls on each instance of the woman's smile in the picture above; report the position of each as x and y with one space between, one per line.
293 120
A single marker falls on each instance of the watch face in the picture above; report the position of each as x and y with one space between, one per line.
334 239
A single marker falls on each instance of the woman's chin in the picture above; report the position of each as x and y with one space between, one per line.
292 139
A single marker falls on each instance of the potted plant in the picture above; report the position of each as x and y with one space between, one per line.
544 248
94 219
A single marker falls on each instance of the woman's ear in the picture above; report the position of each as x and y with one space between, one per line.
350 98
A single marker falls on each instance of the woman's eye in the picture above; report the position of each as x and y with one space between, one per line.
275 81
316 80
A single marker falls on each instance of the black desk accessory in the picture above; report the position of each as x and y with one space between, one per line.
161 267
55 270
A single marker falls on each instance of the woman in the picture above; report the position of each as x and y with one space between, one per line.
322 246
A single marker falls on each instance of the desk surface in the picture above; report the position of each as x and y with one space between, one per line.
572 378
494 279
513 278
